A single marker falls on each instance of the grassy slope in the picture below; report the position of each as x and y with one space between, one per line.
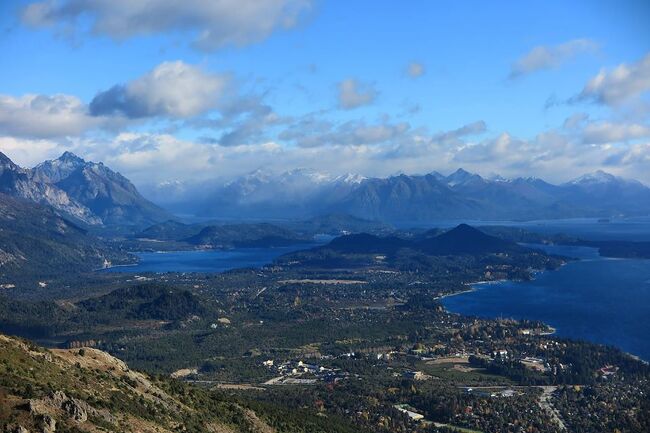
37 384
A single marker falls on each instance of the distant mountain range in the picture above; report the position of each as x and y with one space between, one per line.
86 192
430 197
94 195
295 193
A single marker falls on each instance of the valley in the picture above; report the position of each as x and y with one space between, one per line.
343 321
345 331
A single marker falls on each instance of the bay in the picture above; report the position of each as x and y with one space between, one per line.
595 299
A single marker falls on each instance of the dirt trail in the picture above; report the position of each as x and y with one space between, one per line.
547 406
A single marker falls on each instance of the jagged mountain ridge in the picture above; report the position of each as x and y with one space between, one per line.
18 182
401 198
92 193
108 194
86 192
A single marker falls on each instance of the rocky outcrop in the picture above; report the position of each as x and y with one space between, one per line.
126 401
48 424
75 410
58 402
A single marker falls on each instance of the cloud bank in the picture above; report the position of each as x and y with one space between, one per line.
213 24
45 116
369 148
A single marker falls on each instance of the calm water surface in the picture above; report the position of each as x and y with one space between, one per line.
596 299
209 261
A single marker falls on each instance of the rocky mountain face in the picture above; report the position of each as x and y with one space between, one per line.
87 193
108 195
21 183
403 198
604 191
406 198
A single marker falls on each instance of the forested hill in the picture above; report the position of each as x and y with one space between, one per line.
461 240
36 241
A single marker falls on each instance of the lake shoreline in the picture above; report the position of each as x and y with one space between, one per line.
579 301
203 261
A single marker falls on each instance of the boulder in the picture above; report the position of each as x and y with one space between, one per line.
48 424
75 409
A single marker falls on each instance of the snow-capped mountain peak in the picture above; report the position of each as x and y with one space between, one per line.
597 177
55 170
602 178
351 178
309 174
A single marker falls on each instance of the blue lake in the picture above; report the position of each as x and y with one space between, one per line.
595 299
208 261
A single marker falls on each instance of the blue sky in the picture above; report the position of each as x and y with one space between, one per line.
369 87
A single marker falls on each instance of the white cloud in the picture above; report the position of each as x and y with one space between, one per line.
212 24
575 120
353 94
420 143
548 57
43 116
623 83
415 70
243 120
171 89
29 152
608 132
637 155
